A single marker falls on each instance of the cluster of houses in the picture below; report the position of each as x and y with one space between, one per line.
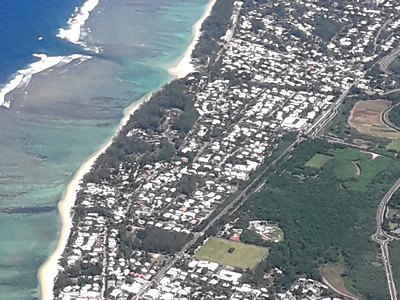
277 75
307 289
270 232
198 279
267 231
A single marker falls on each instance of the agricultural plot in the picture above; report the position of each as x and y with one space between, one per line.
318 160
366 118
231 253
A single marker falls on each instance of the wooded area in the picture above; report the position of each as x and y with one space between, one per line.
327 215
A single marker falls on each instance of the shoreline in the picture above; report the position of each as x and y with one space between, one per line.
185 65
48 270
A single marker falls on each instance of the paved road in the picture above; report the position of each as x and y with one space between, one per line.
337 291
379 33
386 120
196 235
228 37
317 127
387 60
312 132
390 92
383 239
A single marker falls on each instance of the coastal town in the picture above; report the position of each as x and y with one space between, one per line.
140 228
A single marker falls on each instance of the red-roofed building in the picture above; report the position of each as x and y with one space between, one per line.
235 237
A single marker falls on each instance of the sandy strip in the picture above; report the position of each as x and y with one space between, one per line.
48 271
185 65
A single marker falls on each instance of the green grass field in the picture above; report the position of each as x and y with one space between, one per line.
394 252
244 256
395 66
318 160
344 169
395 145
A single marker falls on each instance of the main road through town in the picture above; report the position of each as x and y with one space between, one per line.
196 235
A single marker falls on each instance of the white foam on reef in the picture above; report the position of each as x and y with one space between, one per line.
23 77
73 32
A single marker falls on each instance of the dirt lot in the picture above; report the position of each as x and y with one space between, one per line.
366 117
333 274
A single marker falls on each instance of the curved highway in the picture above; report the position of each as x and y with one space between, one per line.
387 60
383 239
386 120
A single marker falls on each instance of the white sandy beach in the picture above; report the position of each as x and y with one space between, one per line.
48 270
185 65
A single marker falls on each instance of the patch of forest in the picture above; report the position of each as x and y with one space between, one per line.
327 214
394 115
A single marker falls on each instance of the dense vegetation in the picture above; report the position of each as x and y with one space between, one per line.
163 241
327 215
326 28
394 251
213 28
394 115
173 95
395 66
174 101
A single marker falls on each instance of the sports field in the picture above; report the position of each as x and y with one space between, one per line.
242 256
318 160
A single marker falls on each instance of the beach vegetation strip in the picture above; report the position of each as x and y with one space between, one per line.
231 253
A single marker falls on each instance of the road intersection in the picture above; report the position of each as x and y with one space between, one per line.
383 239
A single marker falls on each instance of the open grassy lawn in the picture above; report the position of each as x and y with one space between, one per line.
334 275
344 168
395 145
243 256
394 252
318 160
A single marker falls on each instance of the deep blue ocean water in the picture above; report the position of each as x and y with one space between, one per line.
66 114
22 22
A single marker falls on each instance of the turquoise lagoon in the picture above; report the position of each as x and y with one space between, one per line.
67 113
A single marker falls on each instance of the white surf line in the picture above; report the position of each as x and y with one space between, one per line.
72 34
75 23
24 76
